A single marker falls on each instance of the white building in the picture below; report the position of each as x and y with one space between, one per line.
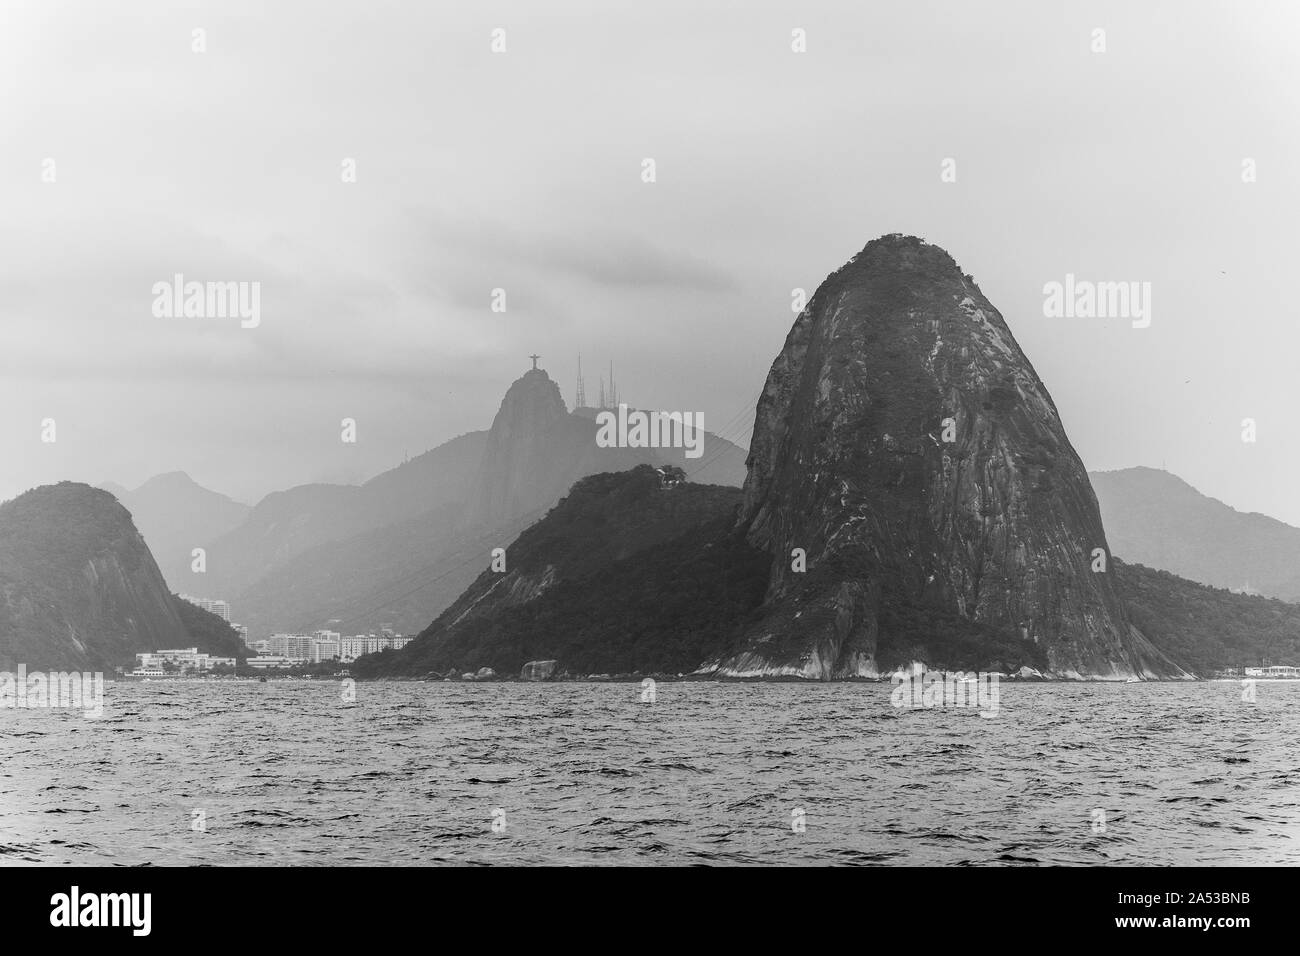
269 661
350 648
1277 670
291 645
178 659
325 647
217 606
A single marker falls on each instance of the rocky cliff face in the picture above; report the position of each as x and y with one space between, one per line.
904 441
78 587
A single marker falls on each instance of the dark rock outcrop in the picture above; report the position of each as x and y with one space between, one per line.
908 536
79 588
623 575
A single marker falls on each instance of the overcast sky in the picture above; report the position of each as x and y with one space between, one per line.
523 171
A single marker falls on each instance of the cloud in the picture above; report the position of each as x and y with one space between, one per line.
599 256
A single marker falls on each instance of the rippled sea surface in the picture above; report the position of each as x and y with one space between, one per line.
587 773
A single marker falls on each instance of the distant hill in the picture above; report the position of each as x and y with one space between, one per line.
401 574
622 575
79 588
1208 628
286 524
1156 519
176 515
403 546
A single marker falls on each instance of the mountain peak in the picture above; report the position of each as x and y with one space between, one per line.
899 243
903 253
1152 481
906 445
169 479
520 446
80 586
532 402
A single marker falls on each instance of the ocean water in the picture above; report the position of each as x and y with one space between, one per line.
707 773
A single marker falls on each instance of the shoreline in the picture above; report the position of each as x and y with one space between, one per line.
673 679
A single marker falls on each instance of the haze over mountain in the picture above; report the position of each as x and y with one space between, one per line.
1157 519
903 447
400 547
286 524
79 588
536 450
176 515
401 574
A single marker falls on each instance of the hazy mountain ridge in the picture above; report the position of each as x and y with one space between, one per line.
1156 519
286 524
175 515
355 555
402 574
